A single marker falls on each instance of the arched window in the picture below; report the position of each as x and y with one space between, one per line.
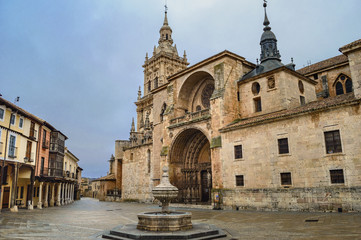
339 88
148 160
343 84
256 88
149 86
348 85
198 108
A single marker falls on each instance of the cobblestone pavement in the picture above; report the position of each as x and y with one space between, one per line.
88 218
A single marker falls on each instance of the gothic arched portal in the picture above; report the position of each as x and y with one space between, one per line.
190 167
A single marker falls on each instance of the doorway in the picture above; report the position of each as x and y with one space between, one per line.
6 197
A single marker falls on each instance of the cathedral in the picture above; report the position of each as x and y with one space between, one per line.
240 135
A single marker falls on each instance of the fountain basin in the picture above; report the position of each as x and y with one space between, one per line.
160 221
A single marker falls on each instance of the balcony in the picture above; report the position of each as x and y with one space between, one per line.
30 157
45 144
33 134
13 152
57 148
44 172
190 118
53 172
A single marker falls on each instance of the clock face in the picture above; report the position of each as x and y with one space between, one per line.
206 95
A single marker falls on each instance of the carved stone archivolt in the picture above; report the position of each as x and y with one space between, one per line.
190 163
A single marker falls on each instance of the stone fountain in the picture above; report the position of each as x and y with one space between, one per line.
164 220
165 224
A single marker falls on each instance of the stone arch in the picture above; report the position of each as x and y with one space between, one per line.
195 91
25 184
190 166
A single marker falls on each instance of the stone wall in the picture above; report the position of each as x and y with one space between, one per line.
307 161
330 199
136 178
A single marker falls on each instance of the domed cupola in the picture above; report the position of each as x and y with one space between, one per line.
268 41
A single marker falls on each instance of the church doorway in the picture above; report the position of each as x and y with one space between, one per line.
190 167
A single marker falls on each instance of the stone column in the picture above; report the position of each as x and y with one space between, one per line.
66 194
72 193
58 202
70 187
52 195
63 194
32 182
40 204
46 195
15 172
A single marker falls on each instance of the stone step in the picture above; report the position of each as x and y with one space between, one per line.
199 232
215 236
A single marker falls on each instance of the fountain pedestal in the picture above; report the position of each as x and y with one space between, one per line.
165 224
165 220
171 222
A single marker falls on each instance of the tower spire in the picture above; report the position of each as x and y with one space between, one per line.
132 129
266 21
268 42
165 31
165 15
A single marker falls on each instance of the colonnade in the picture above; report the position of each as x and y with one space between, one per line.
55 194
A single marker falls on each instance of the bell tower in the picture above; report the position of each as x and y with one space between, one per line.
268 42
165 60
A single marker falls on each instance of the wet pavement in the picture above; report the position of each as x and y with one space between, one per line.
89 218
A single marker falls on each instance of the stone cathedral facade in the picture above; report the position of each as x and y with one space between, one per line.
248 136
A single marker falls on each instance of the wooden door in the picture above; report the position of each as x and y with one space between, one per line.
32 130
28 150
6 197
206 186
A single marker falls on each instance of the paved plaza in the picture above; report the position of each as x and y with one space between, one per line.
88 218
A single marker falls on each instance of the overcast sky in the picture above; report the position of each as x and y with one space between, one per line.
78 63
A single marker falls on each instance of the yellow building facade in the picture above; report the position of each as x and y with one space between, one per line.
19 143
29 150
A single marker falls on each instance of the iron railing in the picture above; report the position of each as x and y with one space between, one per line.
30 157
45 144
44 172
